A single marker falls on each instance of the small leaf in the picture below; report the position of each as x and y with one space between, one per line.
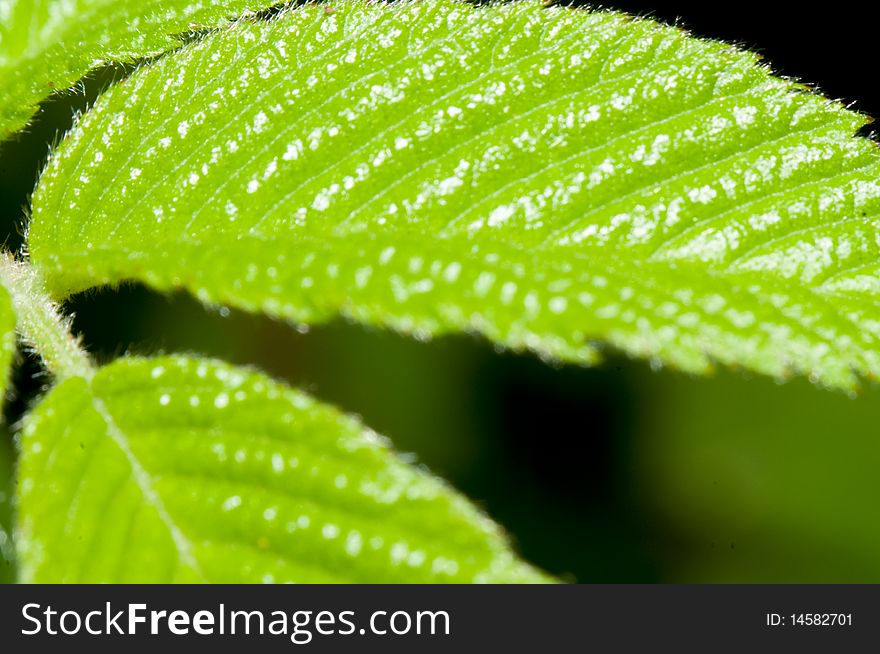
551 178
177 469
47 46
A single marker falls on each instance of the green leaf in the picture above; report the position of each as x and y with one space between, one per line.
7 457
47 45
781 488
7 508
7 337
178 469
550 178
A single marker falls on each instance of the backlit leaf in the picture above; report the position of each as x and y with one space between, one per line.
7 459
7 496
177 469
550 178
47 45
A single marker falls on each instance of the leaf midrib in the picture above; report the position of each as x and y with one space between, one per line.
184 548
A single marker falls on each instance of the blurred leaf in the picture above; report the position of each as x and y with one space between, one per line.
546 177
47 45
7 458
7 508
7 337
761 483
178 469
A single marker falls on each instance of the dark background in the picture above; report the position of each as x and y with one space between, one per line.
611 474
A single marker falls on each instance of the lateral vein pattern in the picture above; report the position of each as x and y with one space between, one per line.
176 470
553 179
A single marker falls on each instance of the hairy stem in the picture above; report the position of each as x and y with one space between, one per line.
40 324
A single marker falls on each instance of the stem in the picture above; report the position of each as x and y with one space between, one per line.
40 323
